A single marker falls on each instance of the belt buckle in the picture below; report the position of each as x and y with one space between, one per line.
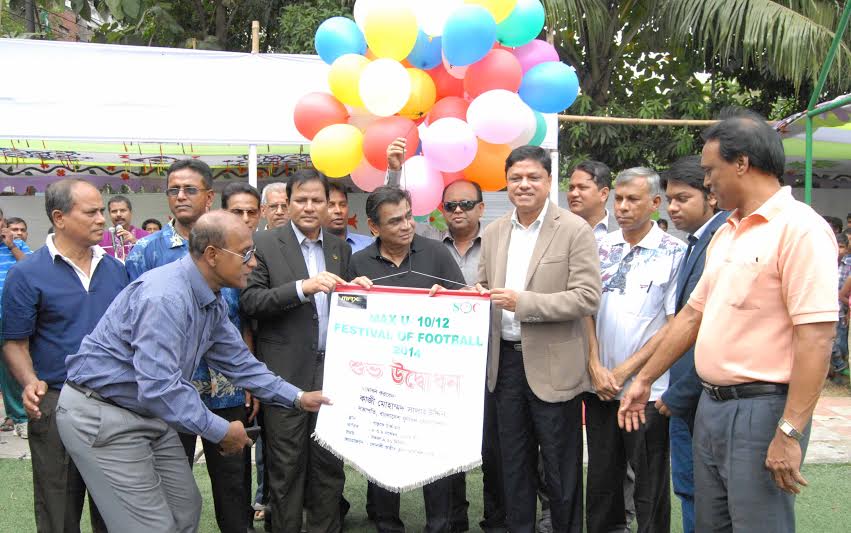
518 347
712 390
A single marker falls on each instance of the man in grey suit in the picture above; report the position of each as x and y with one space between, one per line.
539 264
298 264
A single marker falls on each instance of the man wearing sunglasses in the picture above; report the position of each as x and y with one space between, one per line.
190 194
128 386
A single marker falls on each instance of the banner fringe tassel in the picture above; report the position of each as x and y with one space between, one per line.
405 488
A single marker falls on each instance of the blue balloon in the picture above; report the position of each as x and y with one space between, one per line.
426 52
549 87
338 36
468 35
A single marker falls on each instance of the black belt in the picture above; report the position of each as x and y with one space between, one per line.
89 393
512 345
745 390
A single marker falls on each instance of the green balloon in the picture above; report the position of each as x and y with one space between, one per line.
540 130
523 24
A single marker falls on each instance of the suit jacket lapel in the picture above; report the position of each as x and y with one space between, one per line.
332 258
291 250
697 253
545 236
502 253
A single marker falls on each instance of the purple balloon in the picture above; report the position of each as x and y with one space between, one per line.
534 53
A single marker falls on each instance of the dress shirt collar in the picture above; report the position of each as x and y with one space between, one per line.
97 251
301 237
175 240
204 295
515 222
699 233
447 235
768 210
651 241
603 223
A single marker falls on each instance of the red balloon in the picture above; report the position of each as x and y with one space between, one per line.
497 70
451 106
315 111
445 83
382 132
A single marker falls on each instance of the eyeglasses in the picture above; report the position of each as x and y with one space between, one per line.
251 213
246 257
465 205
275 207
188 191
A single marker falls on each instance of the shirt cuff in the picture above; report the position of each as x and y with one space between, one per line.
813 318
217 429
304 299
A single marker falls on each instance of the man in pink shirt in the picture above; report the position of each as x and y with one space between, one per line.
763 318
119 239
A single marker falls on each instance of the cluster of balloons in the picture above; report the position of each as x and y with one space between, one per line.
464 81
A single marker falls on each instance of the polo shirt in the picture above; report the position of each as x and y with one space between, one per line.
639 293
426 258
469 262
765 273
45 301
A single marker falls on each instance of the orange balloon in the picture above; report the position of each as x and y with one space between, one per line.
423 94
488 168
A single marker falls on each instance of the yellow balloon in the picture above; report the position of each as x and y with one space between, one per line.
344 77
391 31
423 95
500 9
337 150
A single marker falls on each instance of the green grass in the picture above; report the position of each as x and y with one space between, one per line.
821 508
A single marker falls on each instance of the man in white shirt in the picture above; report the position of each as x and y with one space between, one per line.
639 265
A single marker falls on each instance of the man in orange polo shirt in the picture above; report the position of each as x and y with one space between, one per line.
763 316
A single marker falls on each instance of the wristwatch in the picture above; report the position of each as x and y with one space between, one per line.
297 401
789 430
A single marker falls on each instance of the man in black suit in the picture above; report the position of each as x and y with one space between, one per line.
693 210
298 264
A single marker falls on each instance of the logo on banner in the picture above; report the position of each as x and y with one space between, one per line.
465 307
352 301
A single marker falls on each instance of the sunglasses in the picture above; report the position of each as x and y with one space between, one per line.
246 257
465 205
188 191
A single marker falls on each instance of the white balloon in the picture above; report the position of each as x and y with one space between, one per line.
432 14
362 9
498 116
385 87
528 130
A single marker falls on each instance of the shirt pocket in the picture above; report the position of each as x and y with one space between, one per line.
740 286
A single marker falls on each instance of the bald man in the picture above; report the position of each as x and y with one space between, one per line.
129 388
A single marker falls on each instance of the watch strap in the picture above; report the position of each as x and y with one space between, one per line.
789 430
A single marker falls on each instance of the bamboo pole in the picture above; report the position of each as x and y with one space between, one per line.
635 121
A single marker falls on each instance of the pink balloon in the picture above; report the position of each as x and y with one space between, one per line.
424 182
535 52
367 177
454 71
449 144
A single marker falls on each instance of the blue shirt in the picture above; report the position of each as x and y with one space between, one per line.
162 248
155 250
7 259
144 353
357 241
44 300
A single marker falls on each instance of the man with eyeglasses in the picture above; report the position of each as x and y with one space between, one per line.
273 204
230 475
128 385
190 194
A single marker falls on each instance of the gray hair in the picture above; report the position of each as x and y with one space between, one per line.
654 182
59 196
278 186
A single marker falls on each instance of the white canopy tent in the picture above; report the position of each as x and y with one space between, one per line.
95 93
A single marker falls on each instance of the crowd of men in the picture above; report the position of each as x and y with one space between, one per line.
695 362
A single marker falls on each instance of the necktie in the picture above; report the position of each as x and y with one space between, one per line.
692 240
